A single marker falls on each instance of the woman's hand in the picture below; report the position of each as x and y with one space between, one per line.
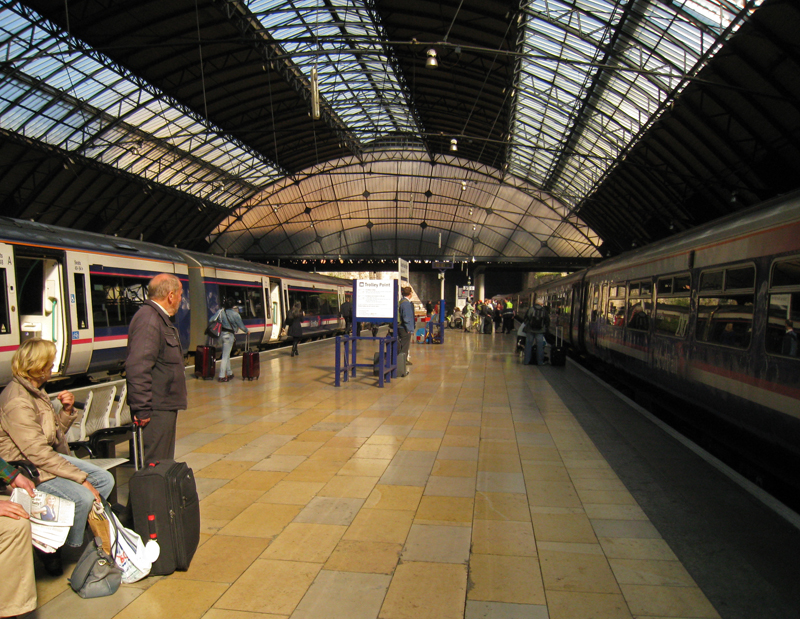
93 490
67 401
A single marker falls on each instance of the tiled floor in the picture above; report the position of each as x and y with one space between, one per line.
466 490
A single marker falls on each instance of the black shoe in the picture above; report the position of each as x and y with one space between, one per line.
51 561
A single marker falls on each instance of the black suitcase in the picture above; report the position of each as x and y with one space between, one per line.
204 362
251 363
558 352
165 508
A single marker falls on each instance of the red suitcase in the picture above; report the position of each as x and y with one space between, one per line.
204 362
251 364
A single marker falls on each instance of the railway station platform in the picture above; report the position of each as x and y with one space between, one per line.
474 488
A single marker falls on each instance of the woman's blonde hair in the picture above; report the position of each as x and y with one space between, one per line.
33 358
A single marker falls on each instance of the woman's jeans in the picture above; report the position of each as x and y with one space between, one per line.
228 339
83 498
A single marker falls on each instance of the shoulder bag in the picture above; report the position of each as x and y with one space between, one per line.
214 328
95 575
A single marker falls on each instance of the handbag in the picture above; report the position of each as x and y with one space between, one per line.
123 545
214 328
95 575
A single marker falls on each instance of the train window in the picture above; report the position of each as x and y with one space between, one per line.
615 315
80 301
248 300
115 299
640 305
711 281
30 285
740 279
726 318
783 317
672 305
785 273
5 324
682 283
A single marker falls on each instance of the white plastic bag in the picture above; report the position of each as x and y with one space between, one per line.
130 554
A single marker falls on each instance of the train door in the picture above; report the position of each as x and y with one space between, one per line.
274 301
81 336
43 304
9 323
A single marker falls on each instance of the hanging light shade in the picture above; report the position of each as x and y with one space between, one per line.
431 62
454 145
314 94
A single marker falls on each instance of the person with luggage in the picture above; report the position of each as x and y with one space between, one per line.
30 429
405 327
536 322
295 322
346 310
154 368
508 317
231 323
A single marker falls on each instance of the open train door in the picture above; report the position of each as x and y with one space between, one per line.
9 321
43 303
272 292
81 336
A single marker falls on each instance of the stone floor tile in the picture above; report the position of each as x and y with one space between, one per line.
668 601
279 463
445 510
501 506
394 497
305 542
401 475
565 571
658 573
450 486
497 578
437 544
502 537
573 528
455 468
256 480
573 604
501 610
380 525
500 482
292 492
182 599
359 556
349 486
270 586
343 595
223 558
261 520
426 591
330 510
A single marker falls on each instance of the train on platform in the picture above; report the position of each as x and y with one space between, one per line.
709 316
81 289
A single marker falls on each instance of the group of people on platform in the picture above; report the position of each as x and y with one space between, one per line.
32 429
497 316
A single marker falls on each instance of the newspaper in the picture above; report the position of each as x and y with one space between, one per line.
50 516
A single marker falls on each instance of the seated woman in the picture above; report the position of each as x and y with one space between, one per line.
31 430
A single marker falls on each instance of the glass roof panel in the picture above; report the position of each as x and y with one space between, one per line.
362 89
68 91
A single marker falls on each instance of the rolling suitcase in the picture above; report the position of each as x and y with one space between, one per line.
165 508
558 352
204 362
251 363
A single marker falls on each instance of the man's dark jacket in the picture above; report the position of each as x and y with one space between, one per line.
154 365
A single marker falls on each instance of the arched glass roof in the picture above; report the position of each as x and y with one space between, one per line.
211 100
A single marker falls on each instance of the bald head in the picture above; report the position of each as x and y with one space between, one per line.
166 290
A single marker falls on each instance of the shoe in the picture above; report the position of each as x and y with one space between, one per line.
51 561
224 380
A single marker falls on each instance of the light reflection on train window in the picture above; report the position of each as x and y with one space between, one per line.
5 325
783 317
115 299
726 318
673 305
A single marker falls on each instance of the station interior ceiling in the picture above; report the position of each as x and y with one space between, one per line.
548 131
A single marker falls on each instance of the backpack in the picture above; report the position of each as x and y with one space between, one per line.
535 319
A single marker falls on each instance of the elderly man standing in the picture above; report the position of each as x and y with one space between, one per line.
155 368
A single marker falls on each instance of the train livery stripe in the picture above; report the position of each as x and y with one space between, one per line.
637 352
9 348
765 393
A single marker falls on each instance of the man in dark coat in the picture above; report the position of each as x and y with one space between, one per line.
346 310
154 367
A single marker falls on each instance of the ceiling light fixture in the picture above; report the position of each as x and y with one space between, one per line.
432 62
314 93
454 145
